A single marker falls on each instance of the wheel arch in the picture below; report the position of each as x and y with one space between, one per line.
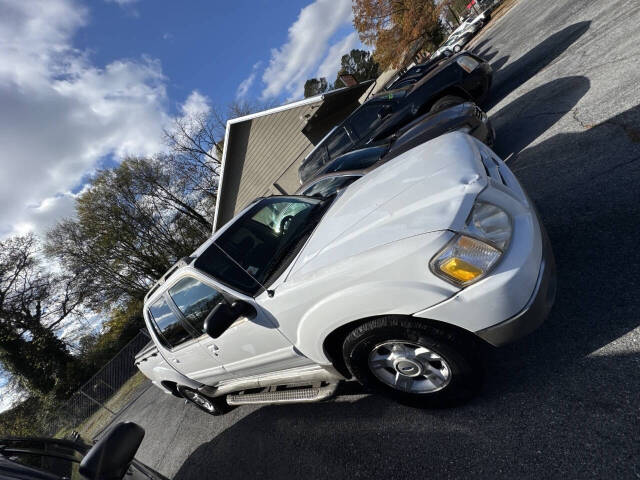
455 90
332 344
172 387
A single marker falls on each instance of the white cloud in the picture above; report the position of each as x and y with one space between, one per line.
332 61
196 104
61 114
122 2
245 85
294 62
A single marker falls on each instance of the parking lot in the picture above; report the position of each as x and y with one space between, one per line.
564 402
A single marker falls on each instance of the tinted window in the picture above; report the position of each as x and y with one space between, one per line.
46 456
168 325
261 239
195 300
312 163
363 120
329 186
216 263
357 160
338 143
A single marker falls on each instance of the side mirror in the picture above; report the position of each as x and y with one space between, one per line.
384 111
222 317
109 459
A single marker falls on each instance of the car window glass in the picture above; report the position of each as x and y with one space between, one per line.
313 162
195 300
57 466
338 143
357 160
364 119
329 186
167 324
258 239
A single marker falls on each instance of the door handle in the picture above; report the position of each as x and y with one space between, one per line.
214 349
175 360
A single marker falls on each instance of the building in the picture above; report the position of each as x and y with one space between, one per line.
262 151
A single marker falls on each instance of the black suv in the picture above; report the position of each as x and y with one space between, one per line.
462 77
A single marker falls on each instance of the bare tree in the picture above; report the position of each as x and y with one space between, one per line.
34 305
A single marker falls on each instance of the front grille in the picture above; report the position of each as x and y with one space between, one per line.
492 168
500 175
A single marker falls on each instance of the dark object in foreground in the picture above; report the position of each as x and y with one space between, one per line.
111 458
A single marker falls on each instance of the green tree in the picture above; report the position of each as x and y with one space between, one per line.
315 86
133 223
398 29
34 304
360 64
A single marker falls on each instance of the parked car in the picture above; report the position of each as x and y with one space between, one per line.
465 117
395 281
463 77
49 458
454 44
473 23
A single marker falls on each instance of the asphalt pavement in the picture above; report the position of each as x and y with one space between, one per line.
565 401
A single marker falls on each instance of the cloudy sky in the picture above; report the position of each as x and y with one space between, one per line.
84 83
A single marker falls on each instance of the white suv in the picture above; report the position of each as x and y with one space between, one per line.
393 281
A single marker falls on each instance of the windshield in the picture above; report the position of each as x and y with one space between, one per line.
329 186
259 243
356 160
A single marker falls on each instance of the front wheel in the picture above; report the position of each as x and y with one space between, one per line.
446 102
413 362
212 406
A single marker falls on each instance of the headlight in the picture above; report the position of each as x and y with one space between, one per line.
466 259
490 223
467 63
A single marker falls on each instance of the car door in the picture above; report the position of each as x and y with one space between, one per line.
251 345
179 345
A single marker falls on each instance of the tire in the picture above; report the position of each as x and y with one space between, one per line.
446 102
212 406
447 371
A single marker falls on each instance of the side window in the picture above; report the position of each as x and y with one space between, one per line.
168 325
313 163
364 119
195 300
338 143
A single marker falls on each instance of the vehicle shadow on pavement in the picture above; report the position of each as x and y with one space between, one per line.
507 79
498 64
530 115
585 185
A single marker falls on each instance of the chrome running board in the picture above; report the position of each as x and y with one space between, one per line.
289 395
307 375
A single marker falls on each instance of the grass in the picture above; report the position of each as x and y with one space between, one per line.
99 420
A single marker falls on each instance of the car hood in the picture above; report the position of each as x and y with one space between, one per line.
428 188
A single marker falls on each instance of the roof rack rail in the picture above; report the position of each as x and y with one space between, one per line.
183 262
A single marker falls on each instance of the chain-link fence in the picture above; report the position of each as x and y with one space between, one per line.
109 391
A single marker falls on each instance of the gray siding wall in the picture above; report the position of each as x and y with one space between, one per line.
262 152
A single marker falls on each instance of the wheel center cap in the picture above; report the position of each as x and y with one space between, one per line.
408 368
